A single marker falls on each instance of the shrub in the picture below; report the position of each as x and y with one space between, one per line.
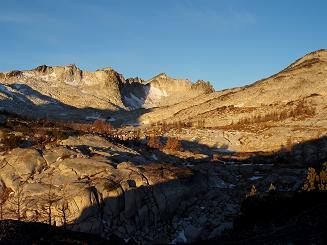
300 110
11 141
173 144
98 126
57 134
178 125
40 135
216 157
272 187
316 181
252 192
201 123
83 127
154 142
101 126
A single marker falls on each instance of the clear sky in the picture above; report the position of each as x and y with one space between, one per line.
229 42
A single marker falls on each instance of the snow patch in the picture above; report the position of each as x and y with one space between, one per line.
133 101
189 165
131 124
155 94
112 119
224 150
222 184
34 96
154 157
153 97
255 178
4 89
94 116
127 240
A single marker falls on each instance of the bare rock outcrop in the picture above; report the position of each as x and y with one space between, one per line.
70 187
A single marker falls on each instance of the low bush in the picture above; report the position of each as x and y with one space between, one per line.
11 141
98 126
316 181
173 144
154 142
101 126
300 110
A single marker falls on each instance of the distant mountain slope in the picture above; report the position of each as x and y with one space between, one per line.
60 91
305 81
161 90
67 87
66 92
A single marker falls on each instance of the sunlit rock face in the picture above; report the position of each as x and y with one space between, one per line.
79 185
93 184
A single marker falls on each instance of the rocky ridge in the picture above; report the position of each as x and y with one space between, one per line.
69 90
290 105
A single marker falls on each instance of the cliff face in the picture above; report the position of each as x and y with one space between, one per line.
162 90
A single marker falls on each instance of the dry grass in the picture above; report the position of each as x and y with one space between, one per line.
98 126
178 125
263 121
42 132
300 110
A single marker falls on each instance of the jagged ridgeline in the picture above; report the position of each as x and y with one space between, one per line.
55 91
66 92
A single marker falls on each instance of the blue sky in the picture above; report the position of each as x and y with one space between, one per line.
229 42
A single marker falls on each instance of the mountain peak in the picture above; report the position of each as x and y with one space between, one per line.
204 85
135 80
109 68
42 68
161 76
318 52
309 59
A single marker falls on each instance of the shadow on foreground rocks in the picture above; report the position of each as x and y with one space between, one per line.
152 200
18 232
279 218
